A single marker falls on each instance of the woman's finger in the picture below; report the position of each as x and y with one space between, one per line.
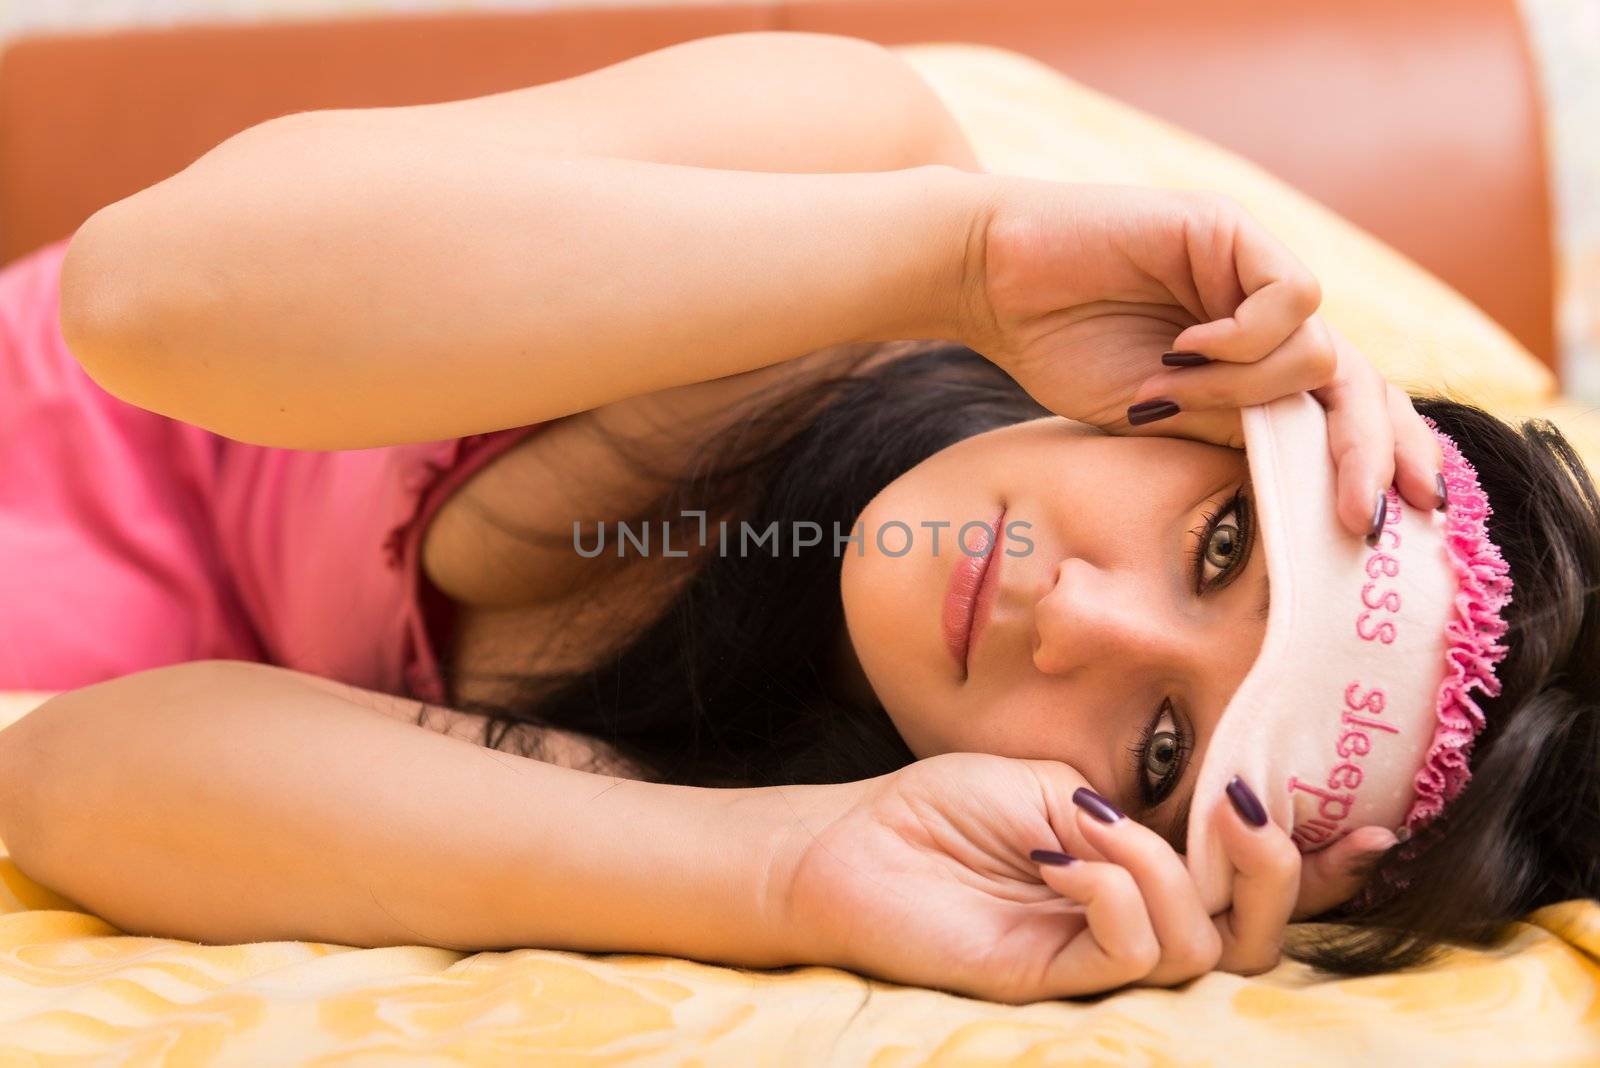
1119 946
1418 460
1190 944
1360 440
1265 888
1220 426
1334 875
1280 293
1305 361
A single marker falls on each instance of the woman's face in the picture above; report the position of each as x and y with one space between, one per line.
1121 607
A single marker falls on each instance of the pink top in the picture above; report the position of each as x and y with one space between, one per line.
129 540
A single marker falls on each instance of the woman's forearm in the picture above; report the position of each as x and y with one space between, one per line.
785 101
326 281
230 802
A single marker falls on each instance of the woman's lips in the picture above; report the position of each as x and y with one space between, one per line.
971 592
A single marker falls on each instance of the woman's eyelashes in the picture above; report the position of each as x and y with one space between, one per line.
1221 549
1159 755
1222 544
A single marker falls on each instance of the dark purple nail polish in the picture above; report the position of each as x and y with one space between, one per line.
1245 803
1151 410
1095 805
1050 856
1184 359
1379 514
1443 491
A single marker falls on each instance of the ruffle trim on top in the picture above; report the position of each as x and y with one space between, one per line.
1472 651
418 482
429 481
421 481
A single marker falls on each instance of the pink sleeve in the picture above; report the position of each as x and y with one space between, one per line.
108 562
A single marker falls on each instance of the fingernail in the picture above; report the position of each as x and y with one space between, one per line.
1442 490
1379 514
1151 410
1370 855
1246 803
1184 359
1095 805
1050 856
1381 843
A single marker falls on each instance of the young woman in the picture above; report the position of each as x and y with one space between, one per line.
690 272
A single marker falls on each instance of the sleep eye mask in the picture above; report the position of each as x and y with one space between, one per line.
1359 708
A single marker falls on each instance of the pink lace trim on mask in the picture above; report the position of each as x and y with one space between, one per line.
1473 639
1473 649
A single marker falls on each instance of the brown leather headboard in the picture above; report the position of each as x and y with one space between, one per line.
1419 120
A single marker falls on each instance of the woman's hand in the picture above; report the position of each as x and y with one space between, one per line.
927 876
1160 311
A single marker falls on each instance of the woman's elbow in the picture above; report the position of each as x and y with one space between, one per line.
31 784
119 289
61 767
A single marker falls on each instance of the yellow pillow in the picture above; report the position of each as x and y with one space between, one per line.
1025 118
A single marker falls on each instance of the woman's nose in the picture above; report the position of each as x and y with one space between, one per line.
1100 616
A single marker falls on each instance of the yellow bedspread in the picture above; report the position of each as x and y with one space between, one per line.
72 988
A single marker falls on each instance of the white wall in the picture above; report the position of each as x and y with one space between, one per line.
18 16
1566 37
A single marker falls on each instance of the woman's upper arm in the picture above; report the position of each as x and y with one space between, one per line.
548 745
32 748
38 751
275 802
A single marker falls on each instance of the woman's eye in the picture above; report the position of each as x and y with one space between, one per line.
1162 754
1223 547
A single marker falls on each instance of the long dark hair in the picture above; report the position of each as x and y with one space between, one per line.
732 684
